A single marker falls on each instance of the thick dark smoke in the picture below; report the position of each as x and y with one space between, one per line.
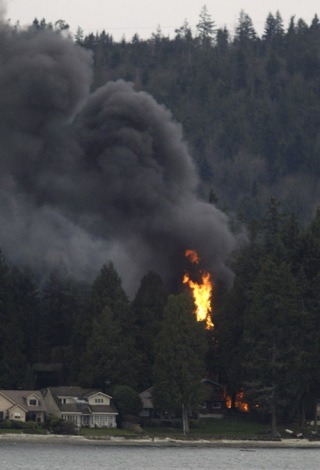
87 178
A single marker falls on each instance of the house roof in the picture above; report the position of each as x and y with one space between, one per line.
103 409
20 397
75 391
16 408
214 391
81 404
146 397
213 383
74 408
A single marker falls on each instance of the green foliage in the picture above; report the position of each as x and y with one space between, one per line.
12 424
18 318
108 357
148 307
127 400
205 27
179 362
266 338
60 304
60 426
249 110
271 328
267 328
107 291
26 302
248 105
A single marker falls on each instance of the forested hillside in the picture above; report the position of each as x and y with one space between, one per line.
249 105
249 109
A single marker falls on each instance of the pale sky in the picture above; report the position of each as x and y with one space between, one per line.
126 17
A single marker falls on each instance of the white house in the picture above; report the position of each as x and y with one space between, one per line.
83 407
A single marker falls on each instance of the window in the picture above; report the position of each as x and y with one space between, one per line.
17 416
33 402
216 405
100 421
98 400
63 401
103 421
71 418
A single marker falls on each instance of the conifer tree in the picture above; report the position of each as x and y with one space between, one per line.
148 307
206 27
179 363
109 357
109 345
271 329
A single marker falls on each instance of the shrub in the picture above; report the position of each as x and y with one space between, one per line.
24 425
59 426
6 424
127 400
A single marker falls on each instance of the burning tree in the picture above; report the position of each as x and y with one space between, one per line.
179 363
201 291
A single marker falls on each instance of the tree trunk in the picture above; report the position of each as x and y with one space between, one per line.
185 419
316 417
303 413
274 431
233 400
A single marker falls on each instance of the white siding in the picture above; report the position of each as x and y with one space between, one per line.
99 399
104 421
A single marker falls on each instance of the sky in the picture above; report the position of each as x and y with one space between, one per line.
127 17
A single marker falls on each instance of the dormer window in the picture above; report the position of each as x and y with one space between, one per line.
98 400
33 402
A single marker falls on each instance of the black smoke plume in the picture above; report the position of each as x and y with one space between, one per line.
91 177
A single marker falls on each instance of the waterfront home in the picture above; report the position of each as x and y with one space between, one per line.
22 405
83 407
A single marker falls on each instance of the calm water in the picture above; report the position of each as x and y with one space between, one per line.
24 456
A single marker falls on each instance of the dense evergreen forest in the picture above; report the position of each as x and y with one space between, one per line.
249 107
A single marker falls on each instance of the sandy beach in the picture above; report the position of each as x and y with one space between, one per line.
158 442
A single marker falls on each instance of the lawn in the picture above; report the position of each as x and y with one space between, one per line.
207 428
230 427
11 431
236 427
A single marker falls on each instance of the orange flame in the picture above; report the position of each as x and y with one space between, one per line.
193 256
201 292
239 403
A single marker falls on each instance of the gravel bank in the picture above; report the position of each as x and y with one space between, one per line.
158 442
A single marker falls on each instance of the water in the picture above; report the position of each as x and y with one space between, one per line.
30 456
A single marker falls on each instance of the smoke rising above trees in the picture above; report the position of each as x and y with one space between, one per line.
89 177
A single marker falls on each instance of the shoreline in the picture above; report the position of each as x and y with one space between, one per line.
157 442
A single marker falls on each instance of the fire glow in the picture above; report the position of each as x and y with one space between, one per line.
202 292
239 403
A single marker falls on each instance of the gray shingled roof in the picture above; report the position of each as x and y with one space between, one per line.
81 394
78 392
74 391
103 409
